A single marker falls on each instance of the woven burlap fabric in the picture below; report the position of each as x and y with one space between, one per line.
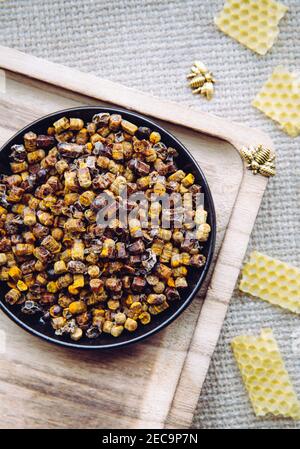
150 45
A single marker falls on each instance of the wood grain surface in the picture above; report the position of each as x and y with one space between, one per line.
156 383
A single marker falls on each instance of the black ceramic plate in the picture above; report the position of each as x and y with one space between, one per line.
195 277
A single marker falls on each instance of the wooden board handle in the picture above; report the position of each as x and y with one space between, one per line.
111 92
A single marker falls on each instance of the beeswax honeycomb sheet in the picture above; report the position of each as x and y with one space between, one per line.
253 23
265 376
279 99
155 57
272 280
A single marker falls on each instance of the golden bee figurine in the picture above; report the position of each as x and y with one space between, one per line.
260 160
201 80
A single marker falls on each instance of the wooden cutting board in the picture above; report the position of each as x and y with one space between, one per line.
154 384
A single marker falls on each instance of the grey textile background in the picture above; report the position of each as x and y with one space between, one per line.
150 45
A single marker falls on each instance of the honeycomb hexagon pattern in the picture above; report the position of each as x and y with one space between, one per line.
265 376
272 280
253 23
279 99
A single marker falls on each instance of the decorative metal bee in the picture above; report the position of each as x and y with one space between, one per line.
201 80
197 81
260 160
